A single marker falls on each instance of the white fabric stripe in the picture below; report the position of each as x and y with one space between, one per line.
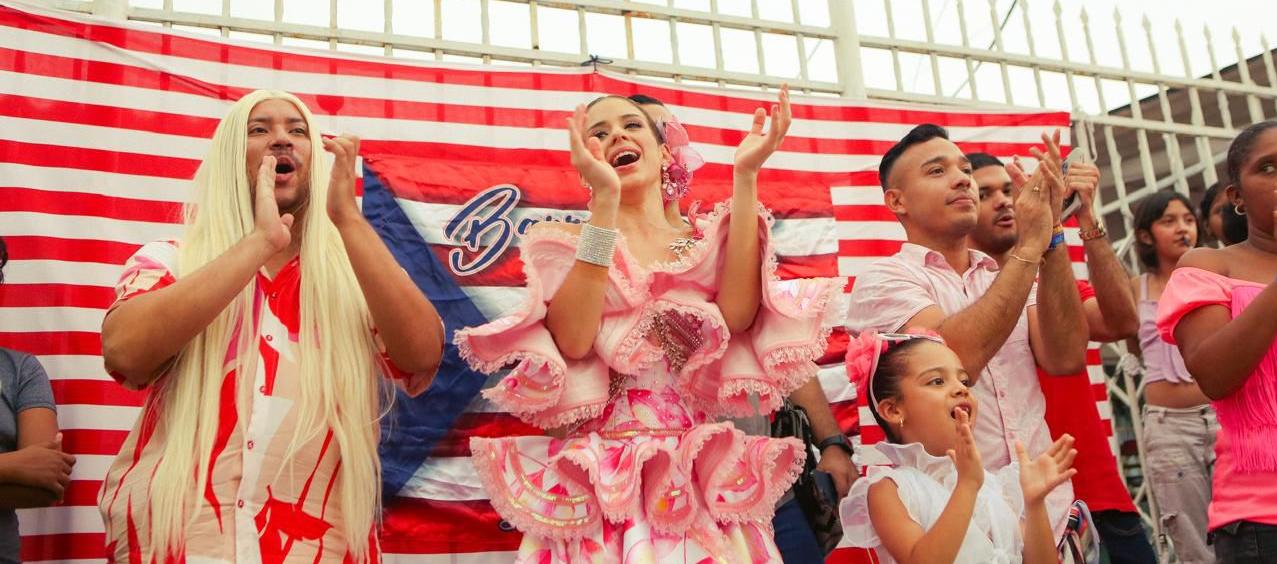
87 227
74 367
834 381
420 91
45 319
57 179
451 478
97 417
61 272
91 467
870 230
60 520
65 134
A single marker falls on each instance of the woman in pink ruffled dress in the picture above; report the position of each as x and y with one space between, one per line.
636 335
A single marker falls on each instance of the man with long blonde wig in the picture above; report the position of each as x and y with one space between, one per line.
262 335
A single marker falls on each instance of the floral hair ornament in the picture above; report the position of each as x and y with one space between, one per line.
676 177
864 350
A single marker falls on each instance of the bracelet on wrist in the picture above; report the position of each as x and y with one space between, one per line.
1093 234
1057 239
1038 262
596 245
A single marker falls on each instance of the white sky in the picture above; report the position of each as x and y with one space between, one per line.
606 36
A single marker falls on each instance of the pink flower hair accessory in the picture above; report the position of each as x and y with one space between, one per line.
676 177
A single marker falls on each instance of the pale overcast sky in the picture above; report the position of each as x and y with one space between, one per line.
559 32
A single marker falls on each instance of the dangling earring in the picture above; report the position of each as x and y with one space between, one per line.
1238 209
675 180
902 423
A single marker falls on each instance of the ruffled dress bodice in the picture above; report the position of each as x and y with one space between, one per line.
925 483
642 465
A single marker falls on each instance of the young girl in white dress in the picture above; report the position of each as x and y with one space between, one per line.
936 503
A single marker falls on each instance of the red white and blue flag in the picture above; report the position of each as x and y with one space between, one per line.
103 123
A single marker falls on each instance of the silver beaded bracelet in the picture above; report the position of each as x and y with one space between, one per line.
596 245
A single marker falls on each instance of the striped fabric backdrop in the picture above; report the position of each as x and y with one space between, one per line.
102 124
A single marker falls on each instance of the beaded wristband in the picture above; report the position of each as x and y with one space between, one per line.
1058 238
596 245
1093 234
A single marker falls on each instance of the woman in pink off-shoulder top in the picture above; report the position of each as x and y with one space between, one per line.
630 342
1218 307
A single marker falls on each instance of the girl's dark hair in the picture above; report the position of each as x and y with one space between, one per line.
1213 193
1242 145
1149 210
660 135
886 379
4 258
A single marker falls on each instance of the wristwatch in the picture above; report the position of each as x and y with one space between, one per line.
838 440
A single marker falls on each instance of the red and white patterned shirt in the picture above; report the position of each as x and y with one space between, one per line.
258 506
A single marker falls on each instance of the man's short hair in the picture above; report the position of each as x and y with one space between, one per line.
981 160
644 99
919 134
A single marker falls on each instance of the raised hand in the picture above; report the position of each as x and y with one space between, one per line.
965 455
1046 472
588 159
1083 179
43 466
758 146
1049 166
1033 218
341 185
273 227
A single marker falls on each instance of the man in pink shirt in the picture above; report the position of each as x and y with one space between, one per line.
990 316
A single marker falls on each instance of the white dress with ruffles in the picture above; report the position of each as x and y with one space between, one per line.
925 483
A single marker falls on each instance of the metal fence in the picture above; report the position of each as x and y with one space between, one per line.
1172 132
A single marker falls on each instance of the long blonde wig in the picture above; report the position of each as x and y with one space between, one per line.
339 387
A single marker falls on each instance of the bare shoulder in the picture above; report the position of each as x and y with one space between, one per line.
1213 260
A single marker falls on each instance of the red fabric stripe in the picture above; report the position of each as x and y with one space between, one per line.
93 441
63 547
81 492
868 247
97 392
60 156
424 526
35 247
83 204
877 212
457 441
54 342
54 295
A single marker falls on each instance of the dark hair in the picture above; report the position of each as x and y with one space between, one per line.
1208 200
981 160
1147 212
1236 228
4 258
919 134
651 124
644 99
1241 147
886 379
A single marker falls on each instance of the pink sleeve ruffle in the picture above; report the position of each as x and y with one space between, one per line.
777 354
535 389
1189 289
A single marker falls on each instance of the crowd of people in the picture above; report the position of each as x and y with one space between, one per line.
271 337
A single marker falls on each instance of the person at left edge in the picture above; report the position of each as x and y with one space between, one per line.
260 335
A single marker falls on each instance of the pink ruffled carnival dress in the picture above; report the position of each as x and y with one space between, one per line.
644 475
